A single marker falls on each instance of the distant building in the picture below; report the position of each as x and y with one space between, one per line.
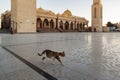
118 24
48 21
105 29
26 18
63 22
6 20
97 16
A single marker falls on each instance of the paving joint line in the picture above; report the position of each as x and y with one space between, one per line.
32 66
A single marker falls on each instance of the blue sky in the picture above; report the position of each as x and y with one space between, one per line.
111 8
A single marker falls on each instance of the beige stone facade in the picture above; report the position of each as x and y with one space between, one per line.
62 22
97 15
24 17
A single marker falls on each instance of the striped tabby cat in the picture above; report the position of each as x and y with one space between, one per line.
52 54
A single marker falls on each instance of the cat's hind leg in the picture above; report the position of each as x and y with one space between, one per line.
43 59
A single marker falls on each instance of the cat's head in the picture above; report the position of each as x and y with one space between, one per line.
62 54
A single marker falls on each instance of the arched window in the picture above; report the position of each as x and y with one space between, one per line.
95 11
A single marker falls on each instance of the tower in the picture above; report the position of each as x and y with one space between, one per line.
97 15
23 15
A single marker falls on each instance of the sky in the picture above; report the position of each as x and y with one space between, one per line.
82 8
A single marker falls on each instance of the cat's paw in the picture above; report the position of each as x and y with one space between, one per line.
53 63
42 62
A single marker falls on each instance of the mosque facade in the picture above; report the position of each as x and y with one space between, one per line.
24 17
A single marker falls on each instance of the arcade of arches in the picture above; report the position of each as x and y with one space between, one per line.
49 21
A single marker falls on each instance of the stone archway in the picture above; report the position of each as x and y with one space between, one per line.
39 24
66 25
46 23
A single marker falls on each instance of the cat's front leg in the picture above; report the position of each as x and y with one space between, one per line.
59 60
53 60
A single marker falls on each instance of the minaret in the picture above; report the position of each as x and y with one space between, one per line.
97 15
23 15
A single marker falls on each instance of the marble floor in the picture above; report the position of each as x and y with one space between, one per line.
89 56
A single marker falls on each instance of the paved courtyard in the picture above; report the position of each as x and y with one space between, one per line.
89 56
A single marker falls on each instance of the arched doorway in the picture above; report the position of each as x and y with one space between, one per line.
39 24
51 24
46 24
66 25
71 25
61 24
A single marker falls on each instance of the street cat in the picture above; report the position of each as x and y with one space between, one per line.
52 54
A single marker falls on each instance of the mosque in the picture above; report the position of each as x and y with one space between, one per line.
27 18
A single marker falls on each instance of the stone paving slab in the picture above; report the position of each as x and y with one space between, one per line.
89 56
13 69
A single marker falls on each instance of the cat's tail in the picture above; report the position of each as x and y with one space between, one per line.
42 53
39 54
